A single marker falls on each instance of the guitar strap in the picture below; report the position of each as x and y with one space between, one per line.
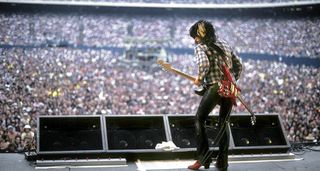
221 55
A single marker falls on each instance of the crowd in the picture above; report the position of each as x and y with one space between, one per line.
85 76
291 91
66 81
246 34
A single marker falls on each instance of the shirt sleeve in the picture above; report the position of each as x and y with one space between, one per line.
23 136
236 66
202 61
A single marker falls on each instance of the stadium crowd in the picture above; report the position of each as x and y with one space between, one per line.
252 35
82 77
65 81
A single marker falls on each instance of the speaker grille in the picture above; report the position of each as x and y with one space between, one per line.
266 132
183 130
70 134
135 132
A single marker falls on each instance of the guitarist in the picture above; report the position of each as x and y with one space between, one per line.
210 53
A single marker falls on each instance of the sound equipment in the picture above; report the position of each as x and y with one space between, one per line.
135 132
75 134
267 135
182 130
118 134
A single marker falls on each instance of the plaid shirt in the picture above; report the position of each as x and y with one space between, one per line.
209 70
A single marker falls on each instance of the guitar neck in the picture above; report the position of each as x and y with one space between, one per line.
245 105
191 78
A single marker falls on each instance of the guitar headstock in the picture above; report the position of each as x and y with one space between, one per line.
165 65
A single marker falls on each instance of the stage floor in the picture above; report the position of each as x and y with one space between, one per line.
308 161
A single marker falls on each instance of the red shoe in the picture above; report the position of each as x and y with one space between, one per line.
197 165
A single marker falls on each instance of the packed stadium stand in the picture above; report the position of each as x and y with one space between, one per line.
60 62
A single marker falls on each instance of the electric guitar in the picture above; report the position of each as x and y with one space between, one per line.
227 87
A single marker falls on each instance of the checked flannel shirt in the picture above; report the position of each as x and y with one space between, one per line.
208 65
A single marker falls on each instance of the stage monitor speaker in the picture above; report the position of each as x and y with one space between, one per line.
72 134
134 132
266 133
183 134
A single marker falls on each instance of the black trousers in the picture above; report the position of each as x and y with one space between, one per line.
209 100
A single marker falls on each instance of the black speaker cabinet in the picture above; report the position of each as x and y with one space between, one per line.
266 134
135 132
182 129
74 134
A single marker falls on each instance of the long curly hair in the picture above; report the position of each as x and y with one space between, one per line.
205 30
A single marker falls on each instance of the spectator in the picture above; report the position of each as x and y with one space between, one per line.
4 144
27 137
18 145
12 134
25 119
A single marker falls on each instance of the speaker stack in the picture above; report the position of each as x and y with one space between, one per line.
70 134
136 133
267 135
182 130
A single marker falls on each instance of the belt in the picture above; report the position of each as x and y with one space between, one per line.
212 83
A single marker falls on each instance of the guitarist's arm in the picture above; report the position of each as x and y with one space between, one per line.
236 66
202 62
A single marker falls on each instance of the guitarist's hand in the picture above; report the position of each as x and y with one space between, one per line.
197 82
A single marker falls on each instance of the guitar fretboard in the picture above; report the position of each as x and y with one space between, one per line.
183 74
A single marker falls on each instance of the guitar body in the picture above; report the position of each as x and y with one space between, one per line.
227 87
